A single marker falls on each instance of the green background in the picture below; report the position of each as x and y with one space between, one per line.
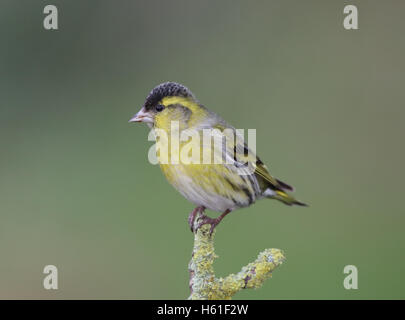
77 190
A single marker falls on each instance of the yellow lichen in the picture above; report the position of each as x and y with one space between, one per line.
204 284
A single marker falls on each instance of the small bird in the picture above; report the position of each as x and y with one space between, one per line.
220 187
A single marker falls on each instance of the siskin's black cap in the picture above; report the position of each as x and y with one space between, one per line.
166 89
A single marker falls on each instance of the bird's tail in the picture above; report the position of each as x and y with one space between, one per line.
283 197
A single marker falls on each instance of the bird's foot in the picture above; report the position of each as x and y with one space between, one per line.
211 221
192 216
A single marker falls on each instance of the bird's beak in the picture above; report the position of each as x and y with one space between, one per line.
142 116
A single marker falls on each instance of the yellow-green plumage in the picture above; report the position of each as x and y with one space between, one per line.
218 187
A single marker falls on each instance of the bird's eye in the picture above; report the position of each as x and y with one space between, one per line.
159 107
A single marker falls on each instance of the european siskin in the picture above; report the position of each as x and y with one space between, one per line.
221 186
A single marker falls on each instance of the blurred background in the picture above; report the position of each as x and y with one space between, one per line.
77 190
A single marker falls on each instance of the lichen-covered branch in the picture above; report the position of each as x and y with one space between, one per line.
203 283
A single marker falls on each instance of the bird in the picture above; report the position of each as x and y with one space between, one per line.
220 187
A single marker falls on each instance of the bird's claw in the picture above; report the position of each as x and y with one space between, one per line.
207 220
192 216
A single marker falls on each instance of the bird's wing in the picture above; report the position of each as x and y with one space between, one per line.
261 171
260 178
245 172
242 151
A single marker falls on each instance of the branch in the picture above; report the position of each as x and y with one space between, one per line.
203 283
